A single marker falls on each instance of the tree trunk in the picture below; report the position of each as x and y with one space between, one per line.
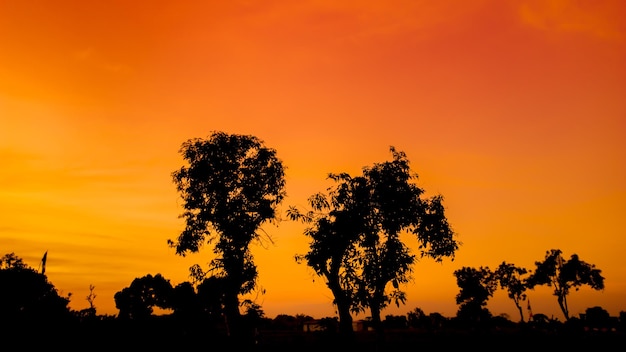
345 320
377 323
563 304
231 310
521 312
343 308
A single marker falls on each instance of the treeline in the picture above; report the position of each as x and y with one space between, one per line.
34 314
232 184
477 285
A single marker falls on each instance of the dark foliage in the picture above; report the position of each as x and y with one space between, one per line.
27 299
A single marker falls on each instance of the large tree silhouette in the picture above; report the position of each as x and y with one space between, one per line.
563 275
355 234
230 187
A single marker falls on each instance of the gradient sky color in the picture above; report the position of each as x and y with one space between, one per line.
514 110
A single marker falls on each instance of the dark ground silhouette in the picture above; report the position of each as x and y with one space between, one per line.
165 332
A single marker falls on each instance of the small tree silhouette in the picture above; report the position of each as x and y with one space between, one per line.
89 313
562 275
136 302
91 297
477 286
511 279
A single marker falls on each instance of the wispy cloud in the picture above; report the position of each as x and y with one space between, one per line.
603 19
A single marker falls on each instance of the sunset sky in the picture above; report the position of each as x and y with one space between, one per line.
514 111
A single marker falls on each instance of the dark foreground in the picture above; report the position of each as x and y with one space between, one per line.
135 338
408 340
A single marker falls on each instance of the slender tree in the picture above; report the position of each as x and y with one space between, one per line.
230 186
511 279
563 275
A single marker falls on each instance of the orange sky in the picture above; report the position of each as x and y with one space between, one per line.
513 110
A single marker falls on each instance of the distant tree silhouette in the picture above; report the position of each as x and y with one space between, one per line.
230 187
329 324
416 318
27 297
285 322
437 320
12 261
355 231
510 278
254 312
199 310
395 322
136 302
597 318
563 275
302 319
477 286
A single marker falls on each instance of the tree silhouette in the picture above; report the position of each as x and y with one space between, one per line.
395 205
597 318
185 302
562 275
477 286
12 261
231 186
355 231
27 297
416 318
510 278
333 234
136 302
